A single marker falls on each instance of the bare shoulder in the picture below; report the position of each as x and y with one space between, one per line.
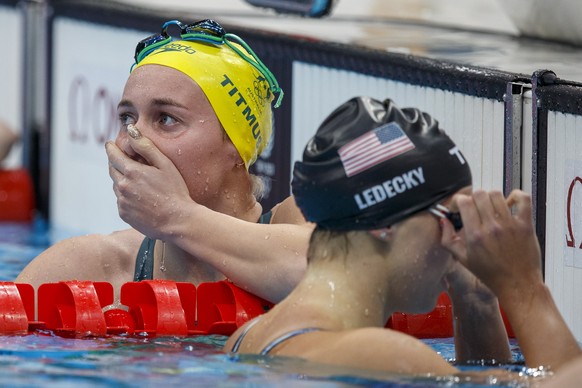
378 349
91 257
287 212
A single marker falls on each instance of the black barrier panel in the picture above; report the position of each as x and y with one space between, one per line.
558 95
473 81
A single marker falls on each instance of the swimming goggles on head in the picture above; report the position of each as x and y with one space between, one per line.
208 31
442 211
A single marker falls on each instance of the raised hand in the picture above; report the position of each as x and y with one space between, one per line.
149 188
501 245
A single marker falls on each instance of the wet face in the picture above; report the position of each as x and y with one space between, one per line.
422 259
421 262
171 110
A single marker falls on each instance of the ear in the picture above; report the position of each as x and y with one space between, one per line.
382 234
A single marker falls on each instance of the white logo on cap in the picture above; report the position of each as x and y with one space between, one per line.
390 188
457 152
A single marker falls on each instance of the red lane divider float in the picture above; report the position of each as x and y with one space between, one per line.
74 307
435 324
151 307
224 307
16 195
17 307
163 307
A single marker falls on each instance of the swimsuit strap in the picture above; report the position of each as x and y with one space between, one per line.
266 218
287 336
243 334
144 262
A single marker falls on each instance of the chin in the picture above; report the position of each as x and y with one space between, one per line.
425 304
419 306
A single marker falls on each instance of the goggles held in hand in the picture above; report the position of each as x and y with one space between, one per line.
442 211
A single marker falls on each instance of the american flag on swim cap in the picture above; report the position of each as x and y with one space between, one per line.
374 147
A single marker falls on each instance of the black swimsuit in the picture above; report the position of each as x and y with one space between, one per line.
144 262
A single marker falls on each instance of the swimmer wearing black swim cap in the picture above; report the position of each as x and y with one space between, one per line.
372 164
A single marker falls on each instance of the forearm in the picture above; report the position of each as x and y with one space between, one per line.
479 330
543 335
267 260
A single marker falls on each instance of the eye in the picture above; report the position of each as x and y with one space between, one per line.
167 120
125 119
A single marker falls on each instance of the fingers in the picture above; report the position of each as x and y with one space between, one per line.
502 210
116 176
452 241
120 166
142 146
133 132
117 159
491 206
522 203
483 207
468 210
147 149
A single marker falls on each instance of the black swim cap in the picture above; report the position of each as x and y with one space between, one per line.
372 164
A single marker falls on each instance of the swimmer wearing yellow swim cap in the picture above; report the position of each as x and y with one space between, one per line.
238 85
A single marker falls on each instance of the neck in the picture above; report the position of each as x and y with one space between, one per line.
235 197
346 293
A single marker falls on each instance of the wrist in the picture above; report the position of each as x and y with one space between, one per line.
182 222
474 292
519 301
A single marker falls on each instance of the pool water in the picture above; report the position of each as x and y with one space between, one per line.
44 359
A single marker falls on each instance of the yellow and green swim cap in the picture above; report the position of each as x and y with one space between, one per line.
239 93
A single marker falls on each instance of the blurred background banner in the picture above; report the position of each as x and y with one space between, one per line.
11 73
